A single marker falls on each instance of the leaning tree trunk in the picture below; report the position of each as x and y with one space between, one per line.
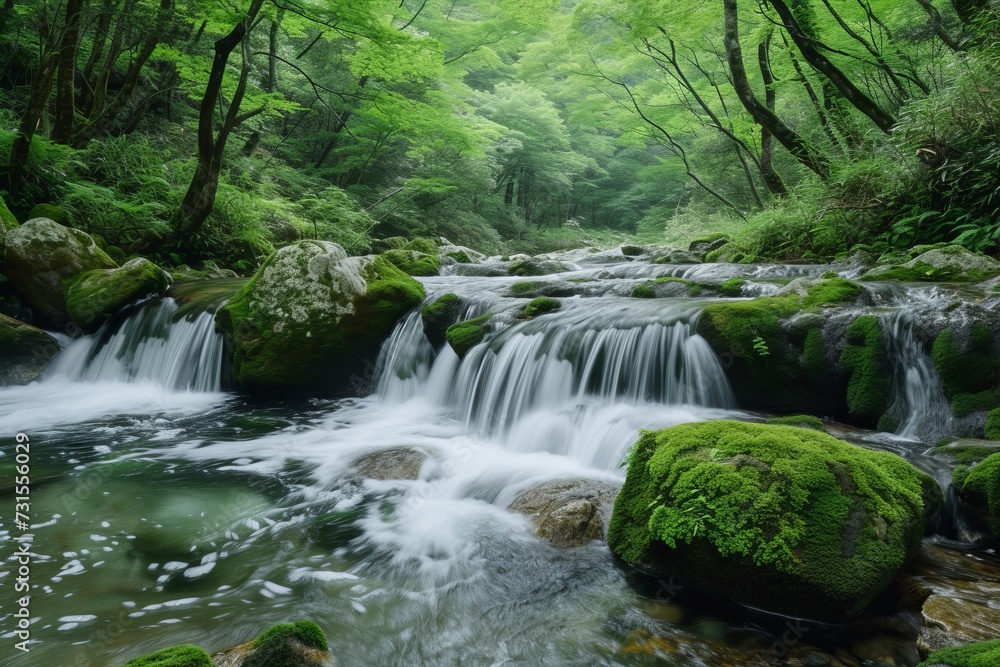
822 64
200 197
38 96
788 138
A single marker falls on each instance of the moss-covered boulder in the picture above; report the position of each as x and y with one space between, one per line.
176 656
785 519
438 316
93 296
982 654
773 348
311 316
464 336
706 244
539 306
802 421
54 213
25 351
414 263
945 264
41 254
866 361
298 644
979 489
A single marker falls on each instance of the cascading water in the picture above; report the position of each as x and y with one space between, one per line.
185 515
155 343
919 403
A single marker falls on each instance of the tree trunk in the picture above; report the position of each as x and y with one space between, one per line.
822 64
788 138
937 24
200 197
771 177
338 128
66 81
508 195
968 10
272 62
108 114
41 85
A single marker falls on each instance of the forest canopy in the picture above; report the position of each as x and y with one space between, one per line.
193 131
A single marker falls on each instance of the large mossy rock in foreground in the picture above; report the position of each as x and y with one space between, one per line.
25 351
298 644
311 315
779 518
41 254
93 296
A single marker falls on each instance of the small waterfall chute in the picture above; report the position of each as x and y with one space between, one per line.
154 341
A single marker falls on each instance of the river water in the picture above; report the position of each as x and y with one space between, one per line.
166 510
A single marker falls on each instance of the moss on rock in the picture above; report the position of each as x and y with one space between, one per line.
54 213
980 492
186 655
414 263
802 421
965 371
643 291
25 352
466 335
40 255
782 518
981 654
311 315
732 287
440 315
949 263
865 360
966 404
992 428
539 306
93 296
7 219
287 645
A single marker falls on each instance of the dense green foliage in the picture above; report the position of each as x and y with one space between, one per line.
792 503
504 126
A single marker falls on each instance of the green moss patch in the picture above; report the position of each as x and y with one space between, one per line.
540 306
7 219
53 213
966 404
788 519
177 656
979 489
982 654
414 263
865 360
965 371
466 335
643 291
802 421
732 287
303 631
992 428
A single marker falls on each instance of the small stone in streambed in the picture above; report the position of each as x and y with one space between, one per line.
395 463
568 513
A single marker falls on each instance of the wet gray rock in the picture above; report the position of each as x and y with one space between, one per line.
395 463
568 513
25 351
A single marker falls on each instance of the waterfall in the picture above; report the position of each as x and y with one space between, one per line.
596 354
918 399
155 342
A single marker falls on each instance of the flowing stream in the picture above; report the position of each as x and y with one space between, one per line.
167 510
